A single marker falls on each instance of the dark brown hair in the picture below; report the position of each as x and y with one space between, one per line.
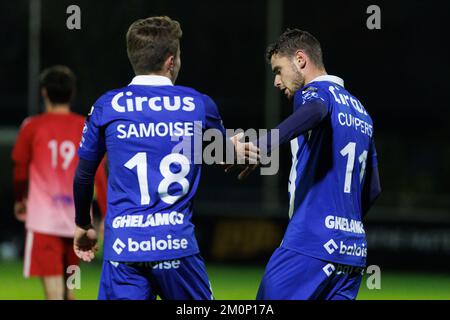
151 41
295 39
60 83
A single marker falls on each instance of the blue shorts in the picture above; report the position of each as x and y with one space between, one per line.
179 279
290 275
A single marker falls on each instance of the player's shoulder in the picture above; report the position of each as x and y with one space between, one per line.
105 100
320 88
203 98
310 92
31 122
108 96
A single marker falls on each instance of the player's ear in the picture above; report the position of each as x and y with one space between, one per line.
300 56
169 64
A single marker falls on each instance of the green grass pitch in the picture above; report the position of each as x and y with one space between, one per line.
234 283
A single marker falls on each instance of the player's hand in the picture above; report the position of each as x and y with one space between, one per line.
245 152
20 210
85 243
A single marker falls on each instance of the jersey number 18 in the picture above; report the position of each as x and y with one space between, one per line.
140 161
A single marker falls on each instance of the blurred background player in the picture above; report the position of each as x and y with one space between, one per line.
45 158
333 181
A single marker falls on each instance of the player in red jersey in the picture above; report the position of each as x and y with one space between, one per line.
45 159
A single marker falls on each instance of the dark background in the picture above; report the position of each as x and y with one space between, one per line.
400 74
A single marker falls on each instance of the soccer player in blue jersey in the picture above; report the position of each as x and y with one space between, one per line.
333 181
150 248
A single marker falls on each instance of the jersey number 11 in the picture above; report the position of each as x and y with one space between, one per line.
350 150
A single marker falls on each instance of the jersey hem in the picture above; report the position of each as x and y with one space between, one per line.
150 259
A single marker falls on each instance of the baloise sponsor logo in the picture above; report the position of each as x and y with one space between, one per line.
150 245
350 250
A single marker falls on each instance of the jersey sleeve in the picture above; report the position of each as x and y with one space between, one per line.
92 145
213 119
302 120
22 150
21 155
101 182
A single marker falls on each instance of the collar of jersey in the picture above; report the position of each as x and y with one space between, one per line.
151 80
330 78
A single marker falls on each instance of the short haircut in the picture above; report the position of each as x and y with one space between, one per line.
60 83
151 41
294 39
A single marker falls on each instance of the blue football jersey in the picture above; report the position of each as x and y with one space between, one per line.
327 177
152 133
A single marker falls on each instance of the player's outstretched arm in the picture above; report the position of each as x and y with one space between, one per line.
241 152
307 117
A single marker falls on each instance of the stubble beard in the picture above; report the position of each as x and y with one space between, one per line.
297 83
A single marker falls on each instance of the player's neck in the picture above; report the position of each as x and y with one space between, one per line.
314 74
162 74
57 108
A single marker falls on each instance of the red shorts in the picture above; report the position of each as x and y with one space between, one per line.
47 255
